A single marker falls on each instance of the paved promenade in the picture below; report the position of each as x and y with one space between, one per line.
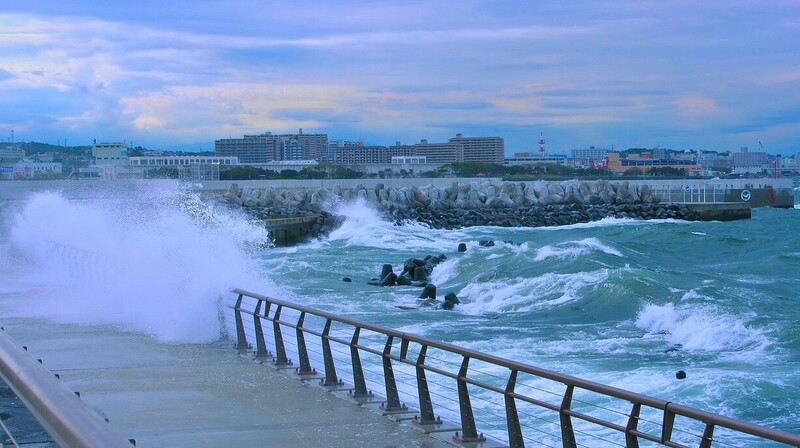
184 395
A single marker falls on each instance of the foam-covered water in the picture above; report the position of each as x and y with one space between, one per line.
618 301
155 262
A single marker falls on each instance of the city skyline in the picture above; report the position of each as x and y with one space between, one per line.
179 75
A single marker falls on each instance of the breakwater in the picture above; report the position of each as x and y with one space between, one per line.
477 203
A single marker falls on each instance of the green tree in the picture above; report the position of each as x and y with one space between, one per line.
633 172
164 172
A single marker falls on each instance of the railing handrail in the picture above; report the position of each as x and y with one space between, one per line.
61 413
669 409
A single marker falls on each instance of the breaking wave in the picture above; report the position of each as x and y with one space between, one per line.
155 261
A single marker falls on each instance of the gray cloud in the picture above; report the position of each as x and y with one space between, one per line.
615 71
324 116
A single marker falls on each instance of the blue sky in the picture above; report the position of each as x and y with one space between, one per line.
708 75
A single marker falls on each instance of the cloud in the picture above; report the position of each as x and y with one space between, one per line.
763 122
4 75
321 116
192 71
696 106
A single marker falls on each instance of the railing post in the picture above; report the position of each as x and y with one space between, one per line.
392 396
667 424
515 439
708 436
426 416
330 370
302 351
261 345
469 433
567 433
280 349
358 372
241 337
631 441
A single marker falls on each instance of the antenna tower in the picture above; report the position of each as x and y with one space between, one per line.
541 143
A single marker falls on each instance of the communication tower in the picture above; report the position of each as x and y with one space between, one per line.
541 143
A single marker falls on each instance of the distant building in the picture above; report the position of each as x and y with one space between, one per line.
360 155
745 161
620 165
159 161
713 160
280 165
266 147
330 151
409 160
291 149
311 145
481 149
10 152
440 153
113 154
261 148
584 158
527 158
17 168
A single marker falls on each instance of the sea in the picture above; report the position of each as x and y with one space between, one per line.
621 302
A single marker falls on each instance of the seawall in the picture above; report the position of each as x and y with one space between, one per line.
490 202
763 192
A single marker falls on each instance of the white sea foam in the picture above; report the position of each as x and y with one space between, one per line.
615 222
574 249
364 227
156 263
527 293
700 327
693 295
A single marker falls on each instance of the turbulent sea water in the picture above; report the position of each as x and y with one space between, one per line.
621 302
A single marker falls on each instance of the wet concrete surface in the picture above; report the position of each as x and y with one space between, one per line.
201 395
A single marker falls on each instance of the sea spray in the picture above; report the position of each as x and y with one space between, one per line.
156 262
697 327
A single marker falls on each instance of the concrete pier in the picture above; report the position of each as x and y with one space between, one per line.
185 395
193 395
722 212
288 230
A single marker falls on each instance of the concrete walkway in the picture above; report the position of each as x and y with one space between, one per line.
183 395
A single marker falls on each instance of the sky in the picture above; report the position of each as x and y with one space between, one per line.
705 75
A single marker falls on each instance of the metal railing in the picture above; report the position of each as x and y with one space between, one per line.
691 194
518 403
60 412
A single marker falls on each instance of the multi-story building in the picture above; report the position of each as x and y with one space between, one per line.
291 149
481 149
159 161
17 168
266 147
312 144
114 154
360 155
527 158
440 153
620 165
330 148
711 160
10 152
261 148
586 157
749 162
